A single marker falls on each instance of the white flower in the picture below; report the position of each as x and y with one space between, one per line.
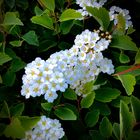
106 66
46 78
50 96
74 50
26 91
44 123
95 36
82 55
57 77
98 57
90 56
35 90
101 45
83 13
62 86
32 72
38 62
73 61
29 135
62 66
84 48
38 134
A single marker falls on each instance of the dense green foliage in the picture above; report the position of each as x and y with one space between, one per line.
29 29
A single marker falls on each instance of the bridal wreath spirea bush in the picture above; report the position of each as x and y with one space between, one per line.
68 69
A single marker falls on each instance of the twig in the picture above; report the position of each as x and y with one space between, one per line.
128 70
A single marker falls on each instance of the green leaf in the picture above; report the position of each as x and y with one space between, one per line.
17 110
50 4
87 88
47 106
116 102
65 113
128 81
66 26
9 78
17 64
102 107
116 130
70 14
92 118
14 129
126 120
11 53
95 135
124 58
123 42
50 44
16 43
4 58
11 18
120 27
38 11
121 23
73 108
78 23
137 58
130 30
106 94
135 104
105 127
70 94
5 113
101 15
31 38
28 122
43 20
87 101
14 30
64 45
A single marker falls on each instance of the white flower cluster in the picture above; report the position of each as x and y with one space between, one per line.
115 11
46 129
73 67
92 3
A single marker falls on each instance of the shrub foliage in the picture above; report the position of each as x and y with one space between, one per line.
108 106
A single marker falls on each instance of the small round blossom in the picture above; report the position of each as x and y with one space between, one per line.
106 66
115 11
46 129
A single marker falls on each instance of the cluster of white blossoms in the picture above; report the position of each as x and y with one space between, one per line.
115 11
69 68
46 129
92 3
